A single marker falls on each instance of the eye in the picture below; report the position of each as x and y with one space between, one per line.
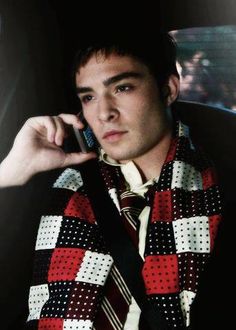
86 99
124 88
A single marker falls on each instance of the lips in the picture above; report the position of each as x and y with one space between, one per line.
113 135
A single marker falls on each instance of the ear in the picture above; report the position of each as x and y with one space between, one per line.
172 86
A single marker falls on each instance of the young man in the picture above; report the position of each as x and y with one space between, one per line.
146 155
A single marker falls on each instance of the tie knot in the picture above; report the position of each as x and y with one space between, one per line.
132 202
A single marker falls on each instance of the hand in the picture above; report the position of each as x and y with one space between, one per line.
37 148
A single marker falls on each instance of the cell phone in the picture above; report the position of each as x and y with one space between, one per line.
85 137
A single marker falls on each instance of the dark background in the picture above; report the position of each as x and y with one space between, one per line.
39 38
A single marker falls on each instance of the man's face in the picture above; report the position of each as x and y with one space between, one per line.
121 103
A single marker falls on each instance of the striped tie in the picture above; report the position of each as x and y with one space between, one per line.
117 297
115 304
131 207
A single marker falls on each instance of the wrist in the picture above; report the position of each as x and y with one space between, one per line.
12 174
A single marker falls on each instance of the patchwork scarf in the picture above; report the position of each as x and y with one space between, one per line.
73 265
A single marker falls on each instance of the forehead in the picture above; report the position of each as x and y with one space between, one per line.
102 67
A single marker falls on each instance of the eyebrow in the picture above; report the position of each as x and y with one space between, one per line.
109 81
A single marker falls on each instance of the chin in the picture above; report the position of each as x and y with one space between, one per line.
118 155
124 156
125 151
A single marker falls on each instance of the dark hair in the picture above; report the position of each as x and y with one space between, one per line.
159 57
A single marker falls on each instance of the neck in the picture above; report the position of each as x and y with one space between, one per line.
151 163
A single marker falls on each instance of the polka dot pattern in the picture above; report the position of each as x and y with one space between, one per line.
80 234
186 152
114 182
165 179
183 130
212 201
48 232
79 206
72 256
56 305
186 177
65 263
95 268
109 175
83 301
192 234
162 209
187 203
50 324
169 306
41 266
38 295
69 179
160 239
160 274
77 325
191 266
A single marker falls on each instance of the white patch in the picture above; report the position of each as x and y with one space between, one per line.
70 324
186 299
38 296
183 130
69 179
94 268
48 232
192 235
186 177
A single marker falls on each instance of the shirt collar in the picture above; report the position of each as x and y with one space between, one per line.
131 174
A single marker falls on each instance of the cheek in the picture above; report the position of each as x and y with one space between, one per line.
93 123
151 122
90 119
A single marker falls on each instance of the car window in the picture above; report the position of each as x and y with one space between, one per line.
206 63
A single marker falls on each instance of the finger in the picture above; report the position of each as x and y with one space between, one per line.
78 158
71 119
60 130
46 122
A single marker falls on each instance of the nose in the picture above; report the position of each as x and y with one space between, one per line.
107 109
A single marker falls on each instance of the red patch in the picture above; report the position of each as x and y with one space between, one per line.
160 274
172 151
45 324
208 178
79 206
65 263
214 222
162 209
